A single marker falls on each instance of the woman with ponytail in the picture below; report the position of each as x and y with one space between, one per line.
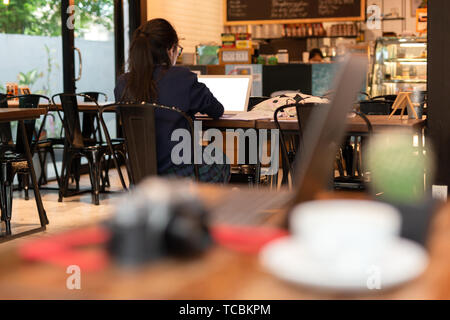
153 77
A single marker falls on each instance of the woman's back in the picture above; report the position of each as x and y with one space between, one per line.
176 87
153 77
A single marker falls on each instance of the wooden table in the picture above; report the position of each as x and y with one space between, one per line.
82 106
218 274
355 127
224 123
21 114
355 124
17 114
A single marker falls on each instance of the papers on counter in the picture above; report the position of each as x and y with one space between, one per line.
252 115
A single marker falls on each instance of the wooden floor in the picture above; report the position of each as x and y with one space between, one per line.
72 212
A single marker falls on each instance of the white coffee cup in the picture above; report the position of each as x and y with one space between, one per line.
305 56
349 235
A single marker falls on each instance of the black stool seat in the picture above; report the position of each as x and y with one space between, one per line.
13 156
18 161
44 144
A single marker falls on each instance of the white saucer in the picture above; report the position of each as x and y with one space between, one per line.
290 261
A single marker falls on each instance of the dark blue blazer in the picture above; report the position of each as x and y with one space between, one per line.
177 87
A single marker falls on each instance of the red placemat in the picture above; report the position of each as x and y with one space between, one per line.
79 247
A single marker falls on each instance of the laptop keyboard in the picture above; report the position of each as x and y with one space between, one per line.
249 206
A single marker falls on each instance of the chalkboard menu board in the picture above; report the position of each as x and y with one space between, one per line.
286 11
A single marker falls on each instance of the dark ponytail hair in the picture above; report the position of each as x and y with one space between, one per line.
315 52
148 48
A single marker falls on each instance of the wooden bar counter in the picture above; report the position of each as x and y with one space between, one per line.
219 274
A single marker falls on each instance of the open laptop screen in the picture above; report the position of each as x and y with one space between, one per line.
232 91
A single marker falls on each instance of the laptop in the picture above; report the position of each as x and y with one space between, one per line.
323 135
233 91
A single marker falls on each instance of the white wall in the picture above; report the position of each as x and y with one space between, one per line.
196 21
398 26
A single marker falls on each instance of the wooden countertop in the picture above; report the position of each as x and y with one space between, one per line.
14 114
218 274
355 124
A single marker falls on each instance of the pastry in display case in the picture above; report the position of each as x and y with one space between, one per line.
399 65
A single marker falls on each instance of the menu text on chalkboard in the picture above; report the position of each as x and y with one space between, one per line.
276 11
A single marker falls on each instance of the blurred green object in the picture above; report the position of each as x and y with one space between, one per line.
397 168
260 60
208 54
272 60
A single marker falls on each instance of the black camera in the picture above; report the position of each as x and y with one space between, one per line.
159 218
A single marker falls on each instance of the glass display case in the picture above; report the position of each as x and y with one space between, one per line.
399 65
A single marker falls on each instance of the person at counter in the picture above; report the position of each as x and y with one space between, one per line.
154 78
315 56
